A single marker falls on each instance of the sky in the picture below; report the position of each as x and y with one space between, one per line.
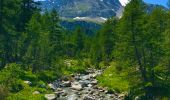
160 2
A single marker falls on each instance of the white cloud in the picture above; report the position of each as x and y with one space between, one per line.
124 2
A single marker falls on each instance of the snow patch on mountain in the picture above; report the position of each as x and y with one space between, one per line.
124 2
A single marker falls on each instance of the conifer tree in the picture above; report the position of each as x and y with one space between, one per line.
78 36
33 52
107 39
56 35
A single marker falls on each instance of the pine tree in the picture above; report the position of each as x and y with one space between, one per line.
32 56
154 30
78 37
107 39
96 52
56 35
7 29
27 9
131 47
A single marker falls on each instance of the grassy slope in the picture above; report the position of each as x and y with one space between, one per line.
113 80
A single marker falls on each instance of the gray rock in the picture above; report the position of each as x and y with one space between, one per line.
59 89
72 97
89 85
52 86
76 86
66 84
50 96
88 98
94 82
85 77
77 78
27 82
94 75
84 83
64 94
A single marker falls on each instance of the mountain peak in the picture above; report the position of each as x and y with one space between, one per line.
85 8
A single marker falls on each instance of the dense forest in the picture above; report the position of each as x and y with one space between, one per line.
133 51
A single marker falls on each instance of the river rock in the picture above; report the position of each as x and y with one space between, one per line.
94 75
52 86
94 82
121 96
88 98
77 78
64 94
66 84
86 77
76 86
59 89
84 83
27 82
50 96
89 85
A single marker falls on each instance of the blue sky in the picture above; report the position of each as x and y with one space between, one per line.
161 2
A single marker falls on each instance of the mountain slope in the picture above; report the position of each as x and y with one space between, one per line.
84 8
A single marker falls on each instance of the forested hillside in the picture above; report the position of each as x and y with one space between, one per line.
127 59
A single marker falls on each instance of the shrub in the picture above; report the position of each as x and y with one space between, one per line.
47 76
10 76
16 86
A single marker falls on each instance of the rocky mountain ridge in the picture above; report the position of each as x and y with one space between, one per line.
85 9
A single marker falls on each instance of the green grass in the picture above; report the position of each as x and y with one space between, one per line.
113 80
76 66
27 94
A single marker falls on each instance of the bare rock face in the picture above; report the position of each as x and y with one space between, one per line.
84 8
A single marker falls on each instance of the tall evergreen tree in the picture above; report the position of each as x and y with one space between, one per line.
28 8
33 36
78 37
56 35
107 39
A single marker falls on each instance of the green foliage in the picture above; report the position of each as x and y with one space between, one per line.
9 76
27 94
113 80
28 75
138 42
74 66
47 76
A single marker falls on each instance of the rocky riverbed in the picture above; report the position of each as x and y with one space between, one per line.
81 87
